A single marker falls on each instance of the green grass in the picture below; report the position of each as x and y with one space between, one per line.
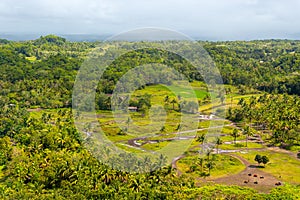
198 84
224 165
129 149
281 164
204 124
144 124
164 136
208 123
118 138
240 145
35 114
227 129
159 92
155 146
187 92
32 58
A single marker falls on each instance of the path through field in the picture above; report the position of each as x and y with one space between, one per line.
263 181
251 176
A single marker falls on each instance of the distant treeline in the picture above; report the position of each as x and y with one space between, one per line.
42 72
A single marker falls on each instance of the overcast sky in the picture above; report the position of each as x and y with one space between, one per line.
210 19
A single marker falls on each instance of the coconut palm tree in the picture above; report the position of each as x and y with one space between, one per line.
201 138
173 101
235 133
201 162
128 122
247 131
210 166
218 142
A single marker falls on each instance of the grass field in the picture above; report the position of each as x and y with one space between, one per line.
240 145
224 165
128 148
281 165
156 146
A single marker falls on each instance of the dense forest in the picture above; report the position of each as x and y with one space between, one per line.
51 62
42 156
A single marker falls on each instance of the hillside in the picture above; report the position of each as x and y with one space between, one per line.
194 140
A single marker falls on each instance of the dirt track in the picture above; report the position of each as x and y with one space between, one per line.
264 184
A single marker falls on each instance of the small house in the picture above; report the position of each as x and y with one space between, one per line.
132 109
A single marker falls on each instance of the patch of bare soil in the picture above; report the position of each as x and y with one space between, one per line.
251 176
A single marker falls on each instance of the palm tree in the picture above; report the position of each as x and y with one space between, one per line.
209 165
162 129
218 142
128 122
173 103
166 100
247 131
201 138
209 151
178 127
235 133
201 162
222 99
135 184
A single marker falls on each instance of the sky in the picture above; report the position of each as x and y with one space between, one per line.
208 20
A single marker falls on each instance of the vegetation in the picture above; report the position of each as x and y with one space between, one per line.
277 113
278 165
261 159
43 155
214 167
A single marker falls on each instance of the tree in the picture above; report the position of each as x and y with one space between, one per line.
162 129
5 150
144 101
173 101
166 100
102 102
222 99
265 160
128 123
189 107
247 131
235 133
201 138
210 165
218 142
178 127
258 159
201 162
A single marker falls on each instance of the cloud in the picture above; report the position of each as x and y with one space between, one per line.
230 19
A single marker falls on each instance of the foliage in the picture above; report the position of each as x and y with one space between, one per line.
42 155
258 159
278 113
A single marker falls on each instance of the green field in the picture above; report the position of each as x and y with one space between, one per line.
241 145
281 165
225 165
